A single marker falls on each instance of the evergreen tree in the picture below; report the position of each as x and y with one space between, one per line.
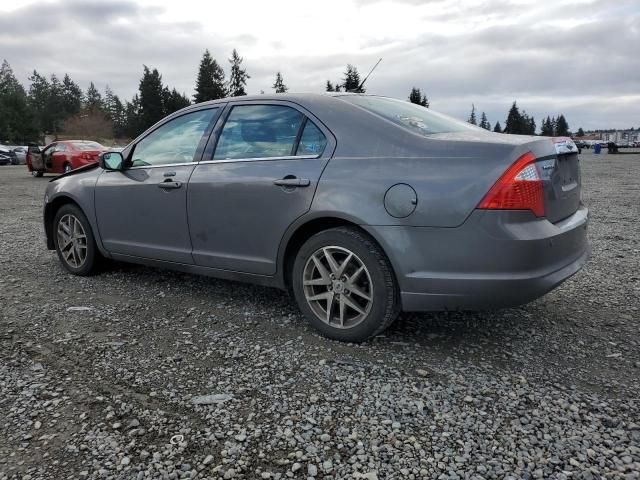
151 109
238 76
497 128
173 101
71 97
118 118
472 117
16 120
38 99
415 96
133 125
531 126
351 79
484 123
514 121
109 103
546 129
418 98
581 132
329 87
54 111
279 85
115 112
93 100
562 127
210 81
527 124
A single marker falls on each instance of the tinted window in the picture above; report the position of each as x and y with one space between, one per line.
259 131
417 118
175 141
312 141
61 147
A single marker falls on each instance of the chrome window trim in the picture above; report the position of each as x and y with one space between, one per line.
258 159
160 166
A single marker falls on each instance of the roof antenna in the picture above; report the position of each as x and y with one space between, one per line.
359 89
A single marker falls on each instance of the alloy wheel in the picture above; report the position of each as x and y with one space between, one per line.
72 241
337 287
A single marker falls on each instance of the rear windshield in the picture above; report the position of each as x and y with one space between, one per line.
416 118
87 146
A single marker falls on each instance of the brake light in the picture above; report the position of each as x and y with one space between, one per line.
519 188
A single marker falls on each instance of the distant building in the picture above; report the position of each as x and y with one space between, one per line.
621 137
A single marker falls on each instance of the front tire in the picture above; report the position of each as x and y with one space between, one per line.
36 174
344 284
67 168
74 241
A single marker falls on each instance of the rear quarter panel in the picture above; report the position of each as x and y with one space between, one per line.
449 172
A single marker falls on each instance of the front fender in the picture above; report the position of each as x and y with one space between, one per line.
78 188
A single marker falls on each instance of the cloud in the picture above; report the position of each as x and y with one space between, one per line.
578 57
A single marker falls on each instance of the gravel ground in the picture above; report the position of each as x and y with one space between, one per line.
141 373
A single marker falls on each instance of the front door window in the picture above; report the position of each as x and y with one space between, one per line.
174 142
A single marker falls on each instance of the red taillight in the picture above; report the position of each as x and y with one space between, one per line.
519 188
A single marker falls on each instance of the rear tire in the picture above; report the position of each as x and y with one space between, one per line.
67 168
36 174
74 241
344 284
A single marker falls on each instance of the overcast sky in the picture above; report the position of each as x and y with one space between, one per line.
577 57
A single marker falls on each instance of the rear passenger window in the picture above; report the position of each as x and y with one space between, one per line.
312 141
259 131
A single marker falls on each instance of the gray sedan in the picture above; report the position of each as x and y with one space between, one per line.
361 206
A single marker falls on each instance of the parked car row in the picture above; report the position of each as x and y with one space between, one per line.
12 155
604 144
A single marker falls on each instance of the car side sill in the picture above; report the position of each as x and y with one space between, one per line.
264 280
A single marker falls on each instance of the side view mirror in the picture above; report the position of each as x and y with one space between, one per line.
111 161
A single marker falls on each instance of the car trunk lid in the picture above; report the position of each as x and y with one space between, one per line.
91 155
562 184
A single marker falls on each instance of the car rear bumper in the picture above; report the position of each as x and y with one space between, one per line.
495 259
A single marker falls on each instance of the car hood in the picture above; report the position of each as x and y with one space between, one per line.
85 168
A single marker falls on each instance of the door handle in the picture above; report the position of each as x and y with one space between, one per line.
293 182
168 184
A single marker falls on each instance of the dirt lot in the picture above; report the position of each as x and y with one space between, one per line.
100 377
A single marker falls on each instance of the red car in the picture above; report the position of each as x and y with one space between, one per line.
63 156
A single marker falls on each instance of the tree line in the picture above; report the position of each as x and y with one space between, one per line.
55 106
521 123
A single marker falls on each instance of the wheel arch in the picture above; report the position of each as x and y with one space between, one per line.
305 229
50 210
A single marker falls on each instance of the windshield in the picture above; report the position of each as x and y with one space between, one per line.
88 146
416 118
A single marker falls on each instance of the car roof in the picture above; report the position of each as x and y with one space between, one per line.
301 97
